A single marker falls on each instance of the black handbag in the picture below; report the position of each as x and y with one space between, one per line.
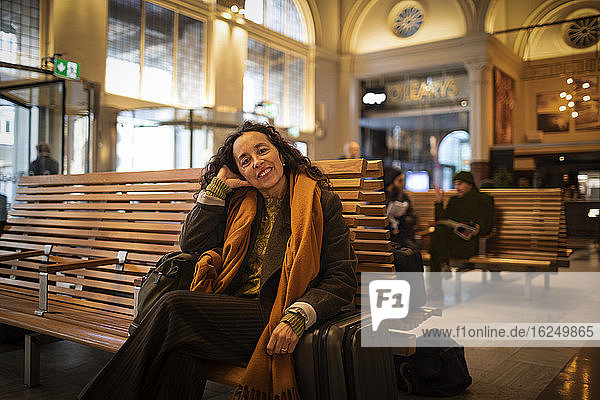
434 371
174 271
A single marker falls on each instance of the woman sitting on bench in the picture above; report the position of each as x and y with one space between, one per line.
276 258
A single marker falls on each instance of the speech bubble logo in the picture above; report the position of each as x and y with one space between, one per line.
389 299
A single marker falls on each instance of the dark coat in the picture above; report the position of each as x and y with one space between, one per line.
43 165
330 292
474 207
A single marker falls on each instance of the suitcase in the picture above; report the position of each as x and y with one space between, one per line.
408 261
330 363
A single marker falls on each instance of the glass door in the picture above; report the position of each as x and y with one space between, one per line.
32 138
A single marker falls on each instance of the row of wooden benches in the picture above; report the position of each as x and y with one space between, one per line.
74 245
528 235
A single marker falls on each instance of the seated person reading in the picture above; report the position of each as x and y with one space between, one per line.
400 212
470 207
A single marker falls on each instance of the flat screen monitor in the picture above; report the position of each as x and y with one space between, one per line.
417 181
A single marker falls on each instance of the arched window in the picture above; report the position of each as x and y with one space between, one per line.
454 155
277 78
154 53
19 32
282 16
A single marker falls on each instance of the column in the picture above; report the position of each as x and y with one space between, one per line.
348 121
479 117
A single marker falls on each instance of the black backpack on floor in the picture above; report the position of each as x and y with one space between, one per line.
174 271
434 371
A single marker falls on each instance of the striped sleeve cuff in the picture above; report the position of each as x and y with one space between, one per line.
218 188
306 310
296 322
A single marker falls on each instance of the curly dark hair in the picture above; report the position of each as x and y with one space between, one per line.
293 160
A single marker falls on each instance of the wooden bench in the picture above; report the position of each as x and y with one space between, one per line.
107 229
82 291
529 232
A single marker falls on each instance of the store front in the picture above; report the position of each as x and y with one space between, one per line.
419 122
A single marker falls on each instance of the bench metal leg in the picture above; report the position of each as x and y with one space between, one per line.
32 360
546 280
457 287
43 295
528 278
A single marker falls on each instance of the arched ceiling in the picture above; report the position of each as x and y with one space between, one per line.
539 43
367 28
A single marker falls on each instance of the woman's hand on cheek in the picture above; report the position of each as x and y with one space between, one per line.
230 178
283 340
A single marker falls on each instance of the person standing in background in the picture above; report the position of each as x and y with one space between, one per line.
44 164
3 211
351 150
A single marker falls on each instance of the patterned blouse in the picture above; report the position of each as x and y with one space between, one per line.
251 274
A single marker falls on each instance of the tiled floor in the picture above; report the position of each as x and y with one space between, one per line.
498 373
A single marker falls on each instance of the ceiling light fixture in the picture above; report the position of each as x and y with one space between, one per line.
579 92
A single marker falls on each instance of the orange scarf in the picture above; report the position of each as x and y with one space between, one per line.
269 377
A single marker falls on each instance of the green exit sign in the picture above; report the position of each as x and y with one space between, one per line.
66 69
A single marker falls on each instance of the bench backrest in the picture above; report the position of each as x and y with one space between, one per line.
528 224
93 216
96 215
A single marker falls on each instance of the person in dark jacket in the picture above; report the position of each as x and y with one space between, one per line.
400 212
275 258
468 206
3 211
44 164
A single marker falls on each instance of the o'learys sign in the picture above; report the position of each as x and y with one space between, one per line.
66 69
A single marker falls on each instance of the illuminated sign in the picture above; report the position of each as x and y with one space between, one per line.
66 69
436 89
418 91
373 98
593 212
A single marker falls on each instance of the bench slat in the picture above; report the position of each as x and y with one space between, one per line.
171 187
62 330
99 234
103 178
93 274
134 226
106 206
68 279
351 168
106 197
131 216
103 244
367 233
84 252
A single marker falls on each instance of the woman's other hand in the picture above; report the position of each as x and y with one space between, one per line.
230 178
283 340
